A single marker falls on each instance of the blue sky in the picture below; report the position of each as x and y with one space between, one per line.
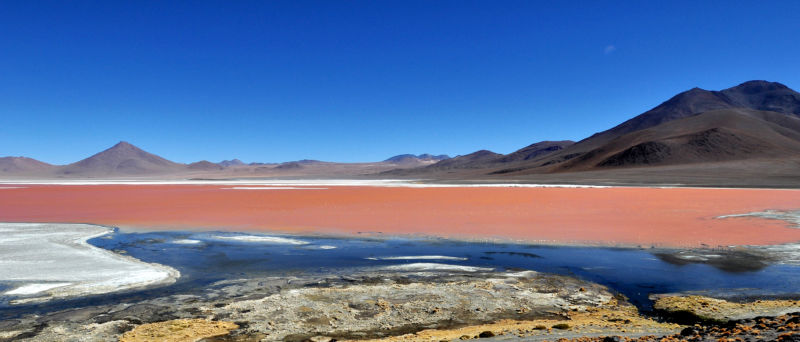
363 80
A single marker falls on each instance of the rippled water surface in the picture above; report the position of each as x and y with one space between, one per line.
633 272
206 257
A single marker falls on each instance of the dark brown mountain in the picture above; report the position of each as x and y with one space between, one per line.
755 119
476 160
473 160
204 165
23 165
717 135
122 159
763 95
535 150
484 159
759 95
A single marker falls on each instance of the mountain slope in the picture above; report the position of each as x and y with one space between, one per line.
535 150
763 95
473 160
485 159
729 105
23 165
204 165
718 135
122 159
758 95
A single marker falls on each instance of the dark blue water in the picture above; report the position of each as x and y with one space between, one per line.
636 273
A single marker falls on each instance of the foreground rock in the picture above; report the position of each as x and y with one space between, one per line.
401 304
180 330
374 304
608 320
386 305
705 309
784 328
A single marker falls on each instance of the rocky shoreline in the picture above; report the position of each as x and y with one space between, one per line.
369 304
784 328
397 297
384 305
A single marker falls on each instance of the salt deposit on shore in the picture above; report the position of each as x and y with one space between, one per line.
52 260
430 266
792 216
418 257
261 239
786 254
187 242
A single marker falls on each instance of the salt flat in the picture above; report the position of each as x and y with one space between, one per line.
42 261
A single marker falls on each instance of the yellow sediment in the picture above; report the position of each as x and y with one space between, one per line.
179 330
607 321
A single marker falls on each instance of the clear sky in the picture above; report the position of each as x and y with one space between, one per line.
363 80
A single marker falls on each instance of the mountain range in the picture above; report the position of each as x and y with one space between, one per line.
748 134
125 160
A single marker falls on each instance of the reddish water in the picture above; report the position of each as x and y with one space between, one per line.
626 216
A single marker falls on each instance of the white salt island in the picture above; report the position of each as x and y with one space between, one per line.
43 261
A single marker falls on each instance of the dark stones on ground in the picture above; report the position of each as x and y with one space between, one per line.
144 313
784 328
73 315
688 331
486 334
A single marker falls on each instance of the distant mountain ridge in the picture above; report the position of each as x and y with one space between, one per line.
425 157
756 121
126 160
749 130
204 165
719 125
485 159
473 160
232 162
757 95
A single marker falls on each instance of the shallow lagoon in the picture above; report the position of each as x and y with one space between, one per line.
206 257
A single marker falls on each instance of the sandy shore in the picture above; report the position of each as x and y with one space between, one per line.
44 261
667 217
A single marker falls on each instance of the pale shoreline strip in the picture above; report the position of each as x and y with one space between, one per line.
418 257
431 266
261 239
